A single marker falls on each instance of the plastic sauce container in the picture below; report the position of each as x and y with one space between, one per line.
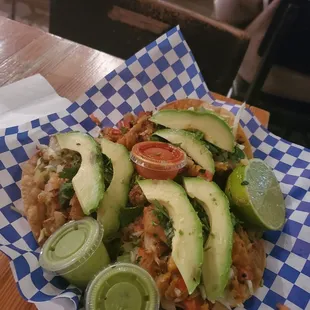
75 251
122 286
157 160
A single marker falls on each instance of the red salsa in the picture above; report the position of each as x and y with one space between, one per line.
157 160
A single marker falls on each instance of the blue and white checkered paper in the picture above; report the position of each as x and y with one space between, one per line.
163 71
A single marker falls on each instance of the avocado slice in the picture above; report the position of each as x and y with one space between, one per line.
187 243
88 183
194 148
116 195
214 128
218 248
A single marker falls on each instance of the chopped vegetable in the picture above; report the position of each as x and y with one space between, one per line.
237 155
220 155
203 218
66 192
199 135
108 170
69 173
235 221
134 179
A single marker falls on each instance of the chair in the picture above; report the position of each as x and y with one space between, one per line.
285 43
122 27
284 49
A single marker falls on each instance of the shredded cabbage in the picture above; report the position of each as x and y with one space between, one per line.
42 235
231 273
237 119
250 286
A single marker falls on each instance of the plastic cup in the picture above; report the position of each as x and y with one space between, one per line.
75 251
122 286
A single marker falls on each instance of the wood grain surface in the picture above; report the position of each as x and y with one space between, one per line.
71 69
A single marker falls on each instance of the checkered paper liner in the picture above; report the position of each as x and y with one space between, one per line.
163 71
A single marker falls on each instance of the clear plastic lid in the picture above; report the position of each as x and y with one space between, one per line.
158 156
71 245
122 286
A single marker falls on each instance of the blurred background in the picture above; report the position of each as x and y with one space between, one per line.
252 50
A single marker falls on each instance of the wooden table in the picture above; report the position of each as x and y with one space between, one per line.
71 69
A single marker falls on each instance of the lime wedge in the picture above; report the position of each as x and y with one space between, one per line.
255 195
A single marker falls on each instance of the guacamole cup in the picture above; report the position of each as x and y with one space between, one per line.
75 251
122 286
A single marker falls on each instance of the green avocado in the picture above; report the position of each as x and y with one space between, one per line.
218 248
116 195
214 128
187 243
88 183
193 147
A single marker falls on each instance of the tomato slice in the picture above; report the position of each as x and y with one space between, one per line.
208 175
157 160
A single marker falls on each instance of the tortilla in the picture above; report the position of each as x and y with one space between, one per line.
229 117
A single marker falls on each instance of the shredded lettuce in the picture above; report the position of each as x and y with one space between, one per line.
237 119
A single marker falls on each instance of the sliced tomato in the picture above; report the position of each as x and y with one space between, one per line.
208 175
180 284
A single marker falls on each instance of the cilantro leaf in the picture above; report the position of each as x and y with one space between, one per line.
108 170
134 179
235 221
203 219
220 155
66 192
237 155
199 135
69 173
